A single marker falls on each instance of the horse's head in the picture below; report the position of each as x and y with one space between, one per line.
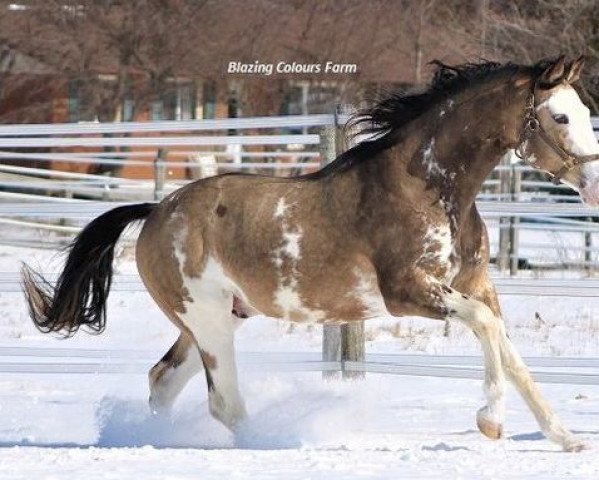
557 135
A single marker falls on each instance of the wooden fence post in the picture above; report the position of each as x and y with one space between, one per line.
588 251
159 174
516 187
346 342
503 252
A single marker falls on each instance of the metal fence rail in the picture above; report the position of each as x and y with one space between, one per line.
40 142
125 159
92 128
23 352
36 360
466 373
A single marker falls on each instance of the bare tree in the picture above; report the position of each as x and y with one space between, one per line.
528 31
112 50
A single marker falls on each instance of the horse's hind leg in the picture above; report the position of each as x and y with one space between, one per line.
209 320
170 375
181 363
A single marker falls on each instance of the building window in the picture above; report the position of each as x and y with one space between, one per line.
294 103
128 110
209 100
176 103
156 110
186 102
79 103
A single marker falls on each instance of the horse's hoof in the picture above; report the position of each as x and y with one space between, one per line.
575 445
487 426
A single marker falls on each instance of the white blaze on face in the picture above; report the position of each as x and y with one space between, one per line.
579 130
579 136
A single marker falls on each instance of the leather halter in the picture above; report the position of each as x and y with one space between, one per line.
531 127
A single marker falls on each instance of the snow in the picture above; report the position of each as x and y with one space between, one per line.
299 427
99 427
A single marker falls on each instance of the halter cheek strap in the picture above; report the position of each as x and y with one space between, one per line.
532 127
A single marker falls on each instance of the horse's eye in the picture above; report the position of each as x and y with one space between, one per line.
561 119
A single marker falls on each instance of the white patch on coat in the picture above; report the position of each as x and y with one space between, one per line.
291 245
450 207
212 277
287 297
438 248
430 162
367 292
178 242
455 263
281 208
438 243
291 237
449 105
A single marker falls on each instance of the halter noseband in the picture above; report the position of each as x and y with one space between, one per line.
531 127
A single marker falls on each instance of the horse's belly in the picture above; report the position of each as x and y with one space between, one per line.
334 301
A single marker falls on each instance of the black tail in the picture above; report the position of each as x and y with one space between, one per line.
79 297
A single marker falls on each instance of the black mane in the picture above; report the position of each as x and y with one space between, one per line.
390 114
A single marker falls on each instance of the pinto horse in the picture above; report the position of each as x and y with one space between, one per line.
389 228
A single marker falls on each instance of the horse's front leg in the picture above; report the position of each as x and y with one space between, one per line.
488 328
444 302
480 287
519 375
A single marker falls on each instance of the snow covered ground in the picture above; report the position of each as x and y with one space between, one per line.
99 427
299 427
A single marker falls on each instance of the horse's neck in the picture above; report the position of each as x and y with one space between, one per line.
456 153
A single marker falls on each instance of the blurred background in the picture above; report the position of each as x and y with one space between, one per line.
110 60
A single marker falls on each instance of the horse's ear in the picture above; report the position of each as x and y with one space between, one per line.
554 74
575 69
